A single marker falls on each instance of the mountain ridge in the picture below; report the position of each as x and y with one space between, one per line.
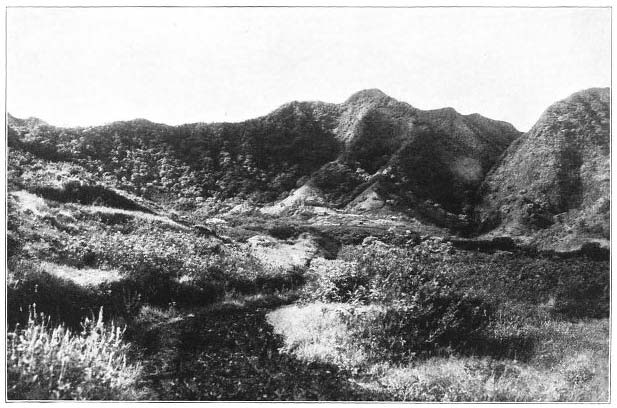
271 154
433 165
373 94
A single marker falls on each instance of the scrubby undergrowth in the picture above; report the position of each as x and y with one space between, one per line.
45 362
433 324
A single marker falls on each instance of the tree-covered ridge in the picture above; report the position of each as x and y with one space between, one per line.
259 158
340 148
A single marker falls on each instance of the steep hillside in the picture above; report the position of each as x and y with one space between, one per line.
552 184
418 157
440 156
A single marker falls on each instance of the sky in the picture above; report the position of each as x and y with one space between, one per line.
81 67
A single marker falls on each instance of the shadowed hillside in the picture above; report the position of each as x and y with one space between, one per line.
341 149
370 154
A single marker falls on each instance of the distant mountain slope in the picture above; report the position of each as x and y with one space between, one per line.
553 183
439 155
26 123
259 159
413 156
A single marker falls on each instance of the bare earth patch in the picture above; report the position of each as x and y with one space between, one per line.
284 254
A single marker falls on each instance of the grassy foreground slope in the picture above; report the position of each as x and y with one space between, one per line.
543 334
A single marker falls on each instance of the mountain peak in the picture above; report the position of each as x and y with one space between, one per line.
367 95
29 122
553 185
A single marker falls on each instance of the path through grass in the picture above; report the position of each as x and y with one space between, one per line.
229 352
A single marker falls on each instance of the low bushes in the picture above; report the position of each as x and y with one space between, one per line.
336 281
159 264
578 287
55 363
166 265
420 309
403 331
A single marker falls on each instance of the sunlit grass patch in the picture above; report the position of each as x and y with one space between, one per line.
582 376
567 361
472 379
31 202
83 277
317 332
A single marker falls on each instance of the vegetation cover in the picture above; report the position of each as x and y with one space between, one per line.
55 363
150 261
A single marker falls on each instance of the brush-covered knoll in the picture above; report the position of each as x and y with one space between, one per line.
553 183
264 159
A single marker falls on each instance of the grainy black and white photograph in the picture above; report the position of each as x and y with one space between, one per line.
334 203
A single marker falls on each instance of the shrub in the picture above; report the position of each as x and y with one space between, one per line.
402 331
579 286
586 294
166 265
284 231
45 363
336 281
421 308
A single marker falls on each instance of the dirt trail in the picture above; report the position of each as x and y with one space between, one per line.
230 352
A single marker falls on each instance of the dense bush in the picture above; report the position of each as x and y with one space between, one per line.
166 265
578 287
45 363
420 308
162 264
336 281
338 181
403 331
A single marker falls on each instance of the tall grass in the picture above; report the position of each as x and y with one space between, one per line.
45 363
566 361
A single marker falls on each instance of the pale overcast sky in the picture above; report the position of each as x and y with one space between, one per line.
180 65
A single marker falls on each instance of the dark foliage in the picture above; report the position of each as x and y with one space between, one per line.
262 157
379 136
75 191
231 354
420 307
579 285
